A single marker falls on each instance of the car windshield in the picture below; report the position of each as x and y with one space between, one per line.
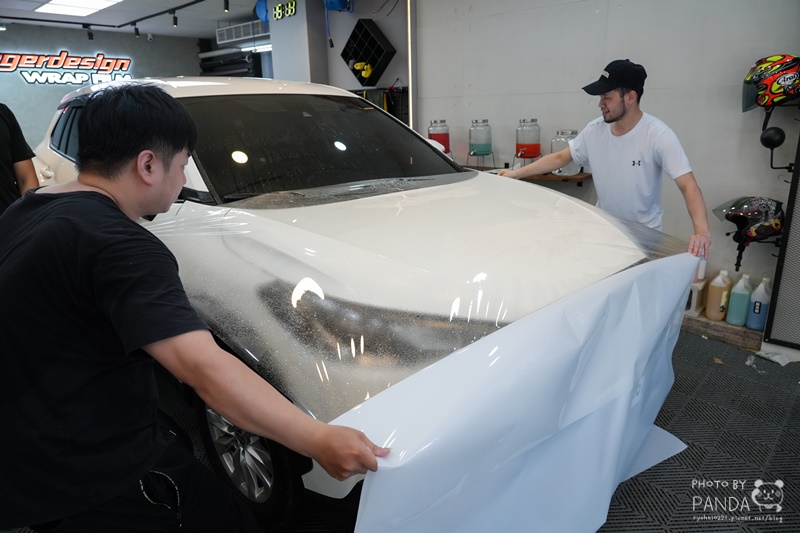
255 144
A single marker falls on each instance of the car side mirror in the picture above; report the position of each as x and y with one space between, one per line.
773 138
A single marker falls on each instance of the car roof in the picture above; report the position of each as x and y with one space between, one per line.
188 86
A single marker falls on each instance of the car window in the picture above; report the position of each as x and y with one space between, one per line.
58 131
255 144
70 138
64 138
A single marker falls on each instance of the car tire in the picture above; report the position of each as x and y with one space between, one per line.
266 474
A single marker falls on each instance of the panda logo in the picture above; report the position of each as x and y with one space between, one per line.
768 496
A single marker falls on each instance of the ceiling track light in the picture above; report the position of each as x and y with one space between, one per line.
174 18
89 33
227 6
135 30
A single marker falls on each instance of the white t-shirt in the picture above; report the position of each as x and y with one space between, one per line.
627 170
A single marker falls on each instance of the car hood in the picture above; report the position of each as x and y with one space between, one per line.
334 302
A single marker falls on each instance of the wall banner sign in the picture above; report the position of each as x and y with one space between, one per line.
63 68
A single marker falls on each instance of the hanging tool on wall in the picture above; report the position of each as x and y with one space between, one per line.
393 94
384 5
260 10
336 5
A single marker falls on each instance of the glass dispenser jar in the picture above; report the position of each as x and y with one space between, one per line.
480 138
558 143
528 145
439 131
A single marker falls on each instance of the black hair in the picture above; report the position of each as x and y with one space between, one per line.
639 92
119 122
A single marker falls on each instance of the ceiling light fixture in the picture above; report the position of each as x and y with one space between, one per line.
89 33
227 6
174 18
82 8
75 8
257 48
2 26
135 30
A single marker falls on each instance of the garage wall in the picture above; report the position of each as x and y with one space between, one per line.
301 50
34 104
510 59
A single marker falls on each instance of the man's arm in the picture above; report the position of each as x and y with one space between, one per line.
26 175
240 395
546 164
700 242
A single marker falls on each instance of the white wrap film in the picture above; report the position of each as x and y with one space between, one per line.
535 425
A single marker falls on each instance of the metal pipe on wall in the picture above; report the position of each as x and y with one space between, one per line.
411 19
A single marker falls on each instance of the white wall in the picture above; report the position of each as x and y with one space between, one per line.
301 51
511 59
298 44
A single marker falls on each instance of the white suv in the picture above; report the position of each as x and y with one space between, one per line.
472 322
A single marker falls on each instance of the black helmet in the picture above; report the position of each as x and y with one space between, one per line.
756 218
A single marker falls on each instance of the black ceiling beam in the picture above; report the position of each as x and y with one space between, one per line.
60 22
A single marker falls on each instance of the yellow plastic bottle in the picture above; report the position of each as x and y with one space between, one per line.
719 291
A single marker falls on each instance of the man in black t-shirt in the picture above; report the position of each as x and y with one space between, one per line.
17 174
88 300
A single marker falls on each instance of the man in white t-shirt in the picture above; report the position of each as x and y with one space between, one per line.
629 151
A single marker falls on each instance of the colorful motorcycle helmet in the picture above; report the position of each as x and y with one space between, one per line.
773 80
756 218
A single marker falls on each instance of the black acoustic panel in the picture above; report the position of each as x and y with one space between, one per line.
783 321
367 52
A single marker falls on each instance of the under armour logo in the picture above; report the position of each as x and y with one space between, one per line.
637 163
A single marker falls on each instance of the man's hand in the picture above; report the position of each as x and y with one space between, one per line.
699 244
506 172
345 452
243 397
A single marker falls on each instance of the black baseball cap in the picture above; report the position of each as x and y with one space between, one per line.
619 73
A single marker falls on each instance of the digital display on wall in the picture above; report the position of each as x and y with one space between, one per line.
286 9
66 69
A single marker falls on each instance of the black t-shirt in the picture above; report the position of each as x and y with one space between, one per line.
13 149
82 288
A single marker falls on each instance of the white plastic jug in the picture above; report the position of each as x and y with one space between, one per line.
759 305
717 297
739 302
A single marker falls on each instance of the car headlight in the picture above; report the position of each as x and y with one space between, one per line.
328 354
